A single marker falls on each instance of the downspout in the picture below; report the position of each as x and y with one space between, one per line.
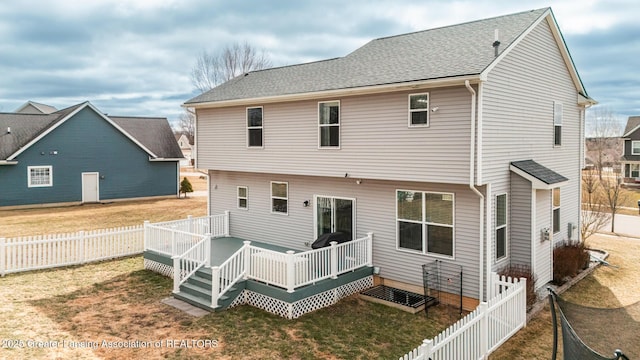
472 160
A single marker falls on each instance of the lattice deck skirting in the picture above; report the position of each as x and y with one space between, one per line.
303 306
160 268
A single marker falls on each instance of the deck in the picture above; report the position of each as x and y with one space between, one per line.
214 270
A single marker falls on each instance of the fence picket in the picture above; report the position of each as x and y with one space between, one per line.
40 252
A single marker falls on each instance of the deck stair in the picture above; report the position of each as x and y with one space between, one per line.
197 291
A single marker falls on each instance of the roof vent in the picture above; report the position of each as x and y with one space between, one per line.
496 42
8 130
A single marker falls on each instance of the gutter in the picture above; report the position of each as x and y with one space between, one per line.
372 89
8 162
473 188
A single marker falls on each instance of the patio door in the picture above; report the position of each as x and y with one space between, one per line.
334 214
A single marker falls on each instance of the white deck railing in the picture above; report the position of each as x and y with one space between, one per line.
175 237
481 332
186 264
49 251
228 273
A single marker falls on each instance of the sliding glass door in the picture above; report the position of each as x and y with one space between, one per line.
335 214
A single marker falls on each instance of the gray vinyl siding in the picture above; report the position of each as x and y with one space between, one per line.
375 140
518 106
520 221
375 212
627 147
543 255
87 143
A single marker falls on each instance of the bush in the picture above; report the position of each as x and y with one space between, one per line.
568 260
185 187
523 271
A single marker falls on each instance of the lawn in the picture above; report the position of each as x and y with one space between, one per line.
607 287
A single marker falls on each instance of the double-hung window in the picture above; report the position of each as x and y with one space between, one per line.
39 176
425 222
419 109
501 226
556 210
254 127
557 123
329 124
243 197
634 170
279 197
635 148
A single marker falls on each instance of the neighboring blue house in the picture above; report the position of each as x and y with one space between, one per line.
80 155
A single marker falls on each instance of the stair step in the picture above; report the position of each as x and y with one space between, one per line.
194 300
195 290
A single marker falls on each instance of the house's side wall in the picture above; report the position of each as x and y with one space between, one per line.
86 143
375 212
375 139
520 221
518 105
635 136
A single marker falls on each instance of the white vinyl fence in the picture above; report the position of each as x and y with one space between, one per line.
49 251
481 332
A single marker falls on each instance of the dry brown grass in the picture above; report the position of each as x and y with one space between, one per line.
40 221
606 287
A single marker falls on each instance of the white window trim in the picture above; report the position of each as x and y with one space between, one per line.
315 213
553 209
631 170
246 197
557 124
254 127
410 111
632 143
424 222
339 125
278 197
49 167
498 227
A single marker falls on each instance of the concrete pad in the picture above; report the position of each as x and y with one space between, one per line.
186 307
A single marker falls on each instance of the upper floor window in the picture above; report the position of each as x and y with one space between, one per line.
557 123
279 197
419 109
501 226
329 124
39 176
556 210
254 127
635 148
425 222
243 197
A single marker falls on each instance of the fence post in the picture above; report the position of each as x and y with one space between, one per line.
174 250
484 329
426 348
523 304
290 271
3 253
215 286
247 259
146 235
176 273
334 259
81 246
370 249
226 223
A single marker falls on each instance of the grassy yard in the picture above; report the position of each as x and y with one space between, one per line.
119 301
606 288
101 216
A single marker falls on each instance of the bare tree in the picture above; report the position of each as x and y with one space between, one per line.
595 214
212 69
187 124
605 152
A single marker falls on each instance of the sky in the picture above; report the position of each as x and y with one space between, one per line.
134 57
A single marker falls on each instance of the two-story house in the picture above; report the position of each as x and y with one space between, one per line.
462 143
631 154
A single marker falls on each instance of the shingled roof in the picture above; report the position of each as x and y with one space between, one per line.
154 135
540 176
447 52
633 124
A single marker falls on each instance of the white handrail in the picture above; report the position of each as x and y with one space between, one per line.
223 277
185 265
